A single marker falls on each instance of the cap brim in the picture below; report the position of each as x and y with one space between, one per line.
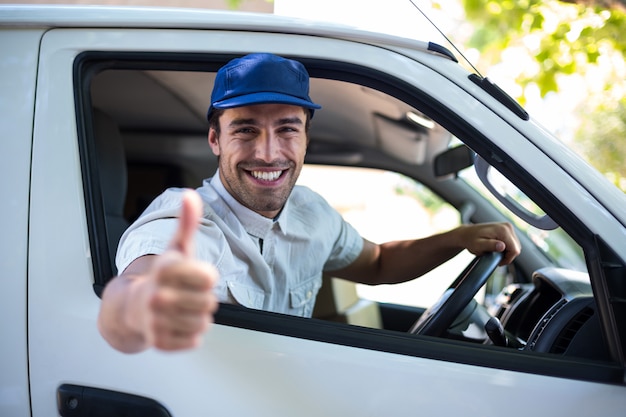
262 98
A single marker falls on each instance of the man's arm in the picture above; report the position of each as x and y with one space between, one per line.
404 260
163 301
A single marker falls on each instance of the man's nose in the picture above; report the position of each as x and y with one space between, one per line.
268 147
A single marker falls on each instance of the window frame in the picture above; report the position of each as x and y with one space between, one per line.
87 64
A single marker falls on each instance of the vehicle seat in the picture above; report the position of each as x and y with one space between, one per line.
338 301
113 178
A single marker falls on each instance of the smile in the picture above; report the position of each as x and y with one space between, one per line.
266 175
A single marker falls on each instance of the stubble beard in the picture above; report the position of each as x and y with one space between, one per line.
260 200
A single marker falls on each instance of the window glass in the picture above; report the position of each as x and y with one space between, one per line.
385 206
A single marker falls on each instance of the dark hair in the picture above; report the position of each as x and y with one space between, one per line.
214 120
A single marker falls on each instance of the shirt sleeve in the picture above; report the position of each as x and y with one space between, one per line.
152 232
150 238
318 221
347 246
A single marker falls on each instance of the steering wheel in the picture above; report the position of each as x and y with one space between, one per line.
440 316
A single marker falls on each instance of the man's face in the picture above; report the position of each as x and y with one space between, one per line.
261 151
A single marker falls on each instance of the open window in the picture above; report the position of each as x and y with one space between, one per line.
142 129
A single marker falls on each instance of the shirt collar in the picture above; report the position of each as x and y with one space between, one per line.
255 224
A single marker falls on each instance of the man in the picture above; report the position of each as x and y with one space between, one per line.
268 240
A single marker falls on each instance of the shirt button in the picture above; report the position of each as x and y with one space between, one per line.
309 295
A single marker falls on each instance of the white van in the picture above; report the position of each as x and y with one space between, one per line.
102 109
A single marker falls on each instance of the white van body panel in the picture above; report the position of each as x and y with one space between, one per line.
236 371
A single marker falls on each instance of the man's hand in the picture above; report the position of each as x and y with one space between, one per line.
163 301
491 237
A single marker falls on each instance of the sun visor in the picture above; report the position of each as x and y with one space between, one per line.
401 139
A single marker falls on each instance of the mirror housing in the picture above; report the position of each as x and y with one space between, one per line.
453 160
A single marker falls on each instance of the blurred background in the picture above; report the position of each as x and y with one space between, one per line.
564 60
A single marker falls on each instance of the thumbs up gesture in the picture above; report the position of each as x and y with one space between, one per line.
163 301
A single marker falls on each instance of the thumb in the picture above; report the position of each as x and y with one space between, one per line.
190 214
499 246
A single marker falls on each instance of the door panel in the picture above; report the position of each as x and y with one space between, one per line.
18 50
237 371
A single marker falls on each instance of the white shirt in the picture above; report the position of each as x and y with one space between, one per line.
270 264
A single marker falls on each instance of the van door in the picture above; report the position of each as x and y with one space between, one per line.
251 363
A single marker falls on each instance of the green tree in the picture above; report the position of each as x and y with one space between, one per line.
571 38
563 36
602 139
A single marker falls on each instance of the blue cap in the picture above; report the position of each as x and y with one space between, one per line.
261 79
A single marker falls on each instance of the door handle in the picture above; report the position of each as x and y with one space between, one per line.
79 401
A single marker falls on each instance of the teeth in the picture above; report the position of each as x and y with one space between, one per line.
266 176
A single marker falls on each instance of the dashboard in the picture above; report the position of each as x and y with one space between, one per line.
556 313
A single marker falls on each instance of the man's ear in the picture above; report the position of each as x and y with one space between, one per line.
214 142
